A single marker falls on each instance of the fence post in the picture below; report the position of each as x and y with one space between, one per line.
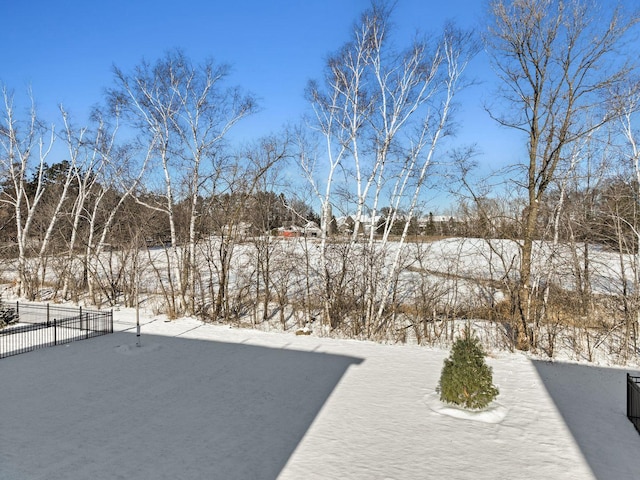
55 333
633 400
628 396
47 313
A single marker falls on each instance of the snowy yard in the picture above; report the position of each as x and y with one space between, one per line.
199 401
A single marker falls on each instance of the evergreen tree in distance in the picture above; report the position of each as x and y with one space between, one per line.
466 380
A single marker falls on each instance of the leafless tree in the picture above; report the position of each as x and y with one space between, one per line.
263 211
557 60
381 114
627 101
183 112
26 145
230 216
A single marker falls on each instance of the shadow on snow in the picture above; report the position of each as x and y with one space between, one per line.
592 402
174 408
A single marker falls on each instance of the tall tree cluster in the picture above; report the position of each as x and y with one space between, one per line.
150 199
381 112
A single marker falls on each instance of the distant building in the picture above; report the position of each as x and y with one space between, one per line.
309 230
347 224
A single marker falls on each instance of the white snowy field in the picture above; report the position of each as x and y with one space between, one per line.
199 401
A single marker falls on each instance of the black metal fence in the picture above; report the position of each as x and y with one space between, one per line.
44 325
633 400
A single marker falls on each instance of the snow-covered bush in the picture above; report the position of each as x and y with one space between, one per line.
466 379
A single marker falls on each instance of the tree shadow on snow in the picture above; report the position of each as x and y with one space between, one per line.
173 408
592 402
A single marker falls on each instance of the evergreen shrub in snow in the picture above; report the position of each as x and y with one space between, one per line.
466 379
7 314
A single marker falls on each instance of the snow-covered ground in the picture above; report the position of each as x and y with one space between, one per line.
198 401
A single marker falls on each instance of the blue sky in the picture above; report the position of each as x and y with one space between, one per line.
65 50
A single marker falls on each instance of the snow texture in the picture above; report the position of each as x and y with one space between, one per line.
198 401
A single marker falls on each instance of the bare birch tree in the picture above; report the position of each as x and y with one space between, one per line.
628 102
26 145
106 179
183 112
381 114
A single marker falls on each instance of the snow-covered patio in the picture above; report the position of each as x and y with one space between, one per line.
199 401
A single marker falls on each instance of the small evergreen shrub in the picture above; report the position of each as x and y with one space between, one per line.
466 379
8 315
